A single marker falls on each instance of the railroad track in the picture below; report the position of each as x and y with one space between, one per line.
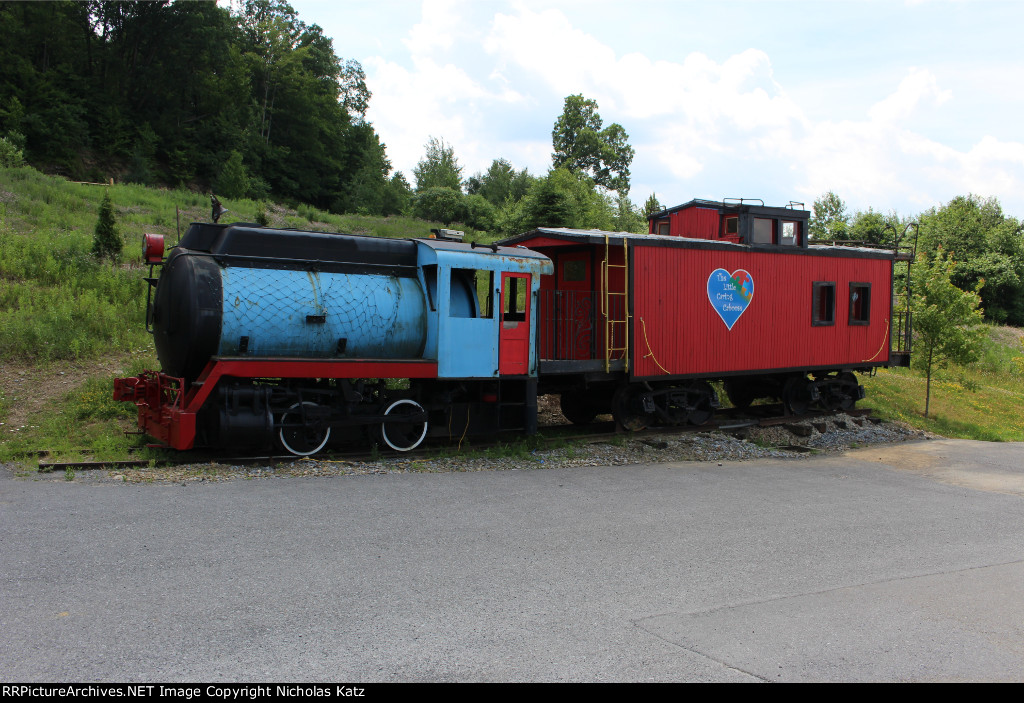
728 420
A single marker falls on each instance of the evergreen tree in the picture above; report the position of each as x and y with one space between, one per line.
397 196
106 242
234 179
651 206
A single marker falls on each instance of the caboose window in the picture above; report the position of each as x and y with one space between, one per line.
823 303
663 228
574 271
732 225
860 303
789 233
764 231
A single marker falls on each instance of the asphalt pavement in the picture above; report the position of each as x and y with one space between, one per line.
896 563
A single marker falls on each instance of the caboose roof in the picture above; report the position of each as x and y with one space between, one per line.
739 206
537 237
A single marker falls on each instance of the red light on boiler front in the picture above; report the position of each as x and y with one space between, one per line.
153 248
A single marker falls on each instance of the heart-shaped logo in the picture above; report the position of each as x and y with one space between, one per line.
730 293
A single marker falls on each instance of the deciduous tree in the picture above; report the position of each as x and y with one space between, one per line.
581 145
439 168
829 219
988 247
439 204
947 320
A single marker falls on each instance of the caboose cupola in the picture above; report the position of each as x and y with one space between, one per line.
737 220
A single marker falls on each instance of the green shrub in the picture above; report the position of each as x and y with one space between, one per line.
10 154
106 242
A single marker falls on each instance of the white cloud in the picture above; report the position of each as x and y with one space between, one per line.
880 161
918 86
699 126
432 98
437 29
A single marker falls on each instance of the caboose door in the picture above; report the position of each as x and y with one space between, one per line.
514 339
574 315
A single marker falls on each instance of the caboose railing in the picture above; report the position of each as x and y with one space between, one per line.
901 332
571 329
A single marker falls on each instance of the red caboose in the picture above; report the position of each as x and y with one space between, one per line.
640 324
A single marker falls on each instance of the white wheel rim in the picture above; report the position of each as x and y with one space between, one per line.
284 442
384 426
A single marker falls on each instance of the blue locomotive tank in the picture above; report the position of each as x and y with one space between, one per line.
271 312
243 290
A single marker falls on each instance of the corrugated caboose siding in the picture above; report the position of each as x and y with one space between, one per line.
677 331
694 223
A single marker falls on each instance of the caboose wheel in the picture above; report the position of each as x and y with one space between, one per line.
840 393
740 393
702 410
849 390
300 434
578 406
627 411
401 434
797 395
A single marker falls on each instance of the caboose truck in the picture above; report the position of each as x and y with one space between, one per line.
264 333
638 325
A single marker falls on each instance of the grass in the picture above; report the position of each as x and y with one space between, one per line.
982 401
57 302
84 422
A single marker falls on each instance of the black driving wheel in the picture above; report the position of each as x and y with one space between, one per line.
405 426
303 432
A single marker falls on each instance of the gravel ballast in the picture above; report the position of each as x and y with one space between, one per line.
786 441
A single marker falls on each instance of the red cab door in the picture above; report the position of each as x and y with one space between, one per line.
514 342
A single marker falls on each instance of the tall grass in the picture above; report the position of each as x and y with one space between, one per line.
982 401
57 302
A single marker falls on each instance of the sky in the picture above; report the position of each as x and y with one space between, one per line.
893 105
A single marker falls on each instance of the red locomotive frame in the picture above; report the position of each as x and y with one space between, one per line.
167 412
